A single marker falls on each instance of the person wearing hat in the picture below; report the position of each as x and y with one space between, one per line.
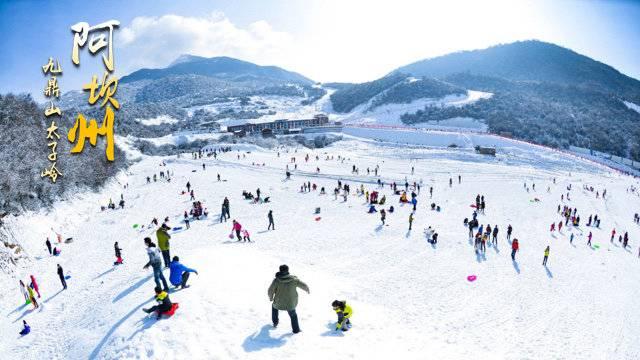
344 312
164 303
284 295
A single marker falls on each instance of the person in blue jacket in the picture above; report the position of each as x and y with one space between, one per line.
179 274
26 329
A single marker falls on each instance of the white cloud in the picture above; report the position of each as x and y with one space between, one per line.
151 42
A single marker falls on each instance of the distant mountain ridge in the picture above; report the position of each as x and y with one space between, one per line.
530 60
217 67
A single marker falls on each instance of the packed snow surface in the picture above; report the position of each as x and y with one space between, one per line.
411 299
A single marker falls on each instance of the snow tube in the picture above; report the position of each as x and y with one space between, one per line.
473 205
177 228
135 225
171 311
596 246
231 236
67 277
318 218
471 278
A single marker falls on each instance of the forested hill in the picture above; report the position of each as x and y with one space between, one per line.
542 93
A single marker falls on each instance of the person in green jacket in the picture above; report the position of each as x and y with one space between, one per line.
284 295
163 243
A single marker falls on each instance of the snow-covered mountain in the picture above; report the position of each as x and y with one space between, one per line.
411 299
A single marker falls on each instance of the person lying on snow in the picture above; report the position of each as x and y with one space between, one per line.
344 313
164 303
179 274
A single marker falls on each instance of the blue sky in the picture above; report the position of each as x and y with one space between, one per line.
326 40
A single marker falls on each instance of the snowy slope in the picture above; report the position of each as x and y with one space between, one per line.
389 114
411 300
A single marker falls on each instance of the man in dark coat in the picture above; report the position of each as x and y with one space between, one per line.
284 295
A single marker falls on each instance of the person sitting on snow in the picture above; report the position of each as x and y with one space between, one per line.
26 329
179 274
391 209
344 313
164 303
372 209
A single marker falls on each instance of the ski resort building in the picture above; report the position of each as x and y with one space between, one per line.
284 126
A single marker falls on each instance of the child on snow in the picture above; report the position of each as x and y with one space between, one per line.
34 285
245 235
26 329
164 303
23 288
118 254
344 313
32 297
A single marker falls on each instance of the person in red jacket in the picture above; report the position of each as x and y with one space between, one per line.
514 247
237 228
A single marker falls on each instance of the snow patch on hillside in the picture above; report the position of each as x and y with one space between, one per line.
158 120
632 106
389 114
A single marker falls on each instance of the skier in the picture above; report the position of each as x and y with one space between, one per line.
546 256
163 243
164 303
155 262
61 275
270 217
188 186
344 313
48 243
34 285
553 227
26 328
589 237
118 254
613 234
284 295
237 228
383 215
509 230
410 220
495 236
179 274
514 248
571 239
